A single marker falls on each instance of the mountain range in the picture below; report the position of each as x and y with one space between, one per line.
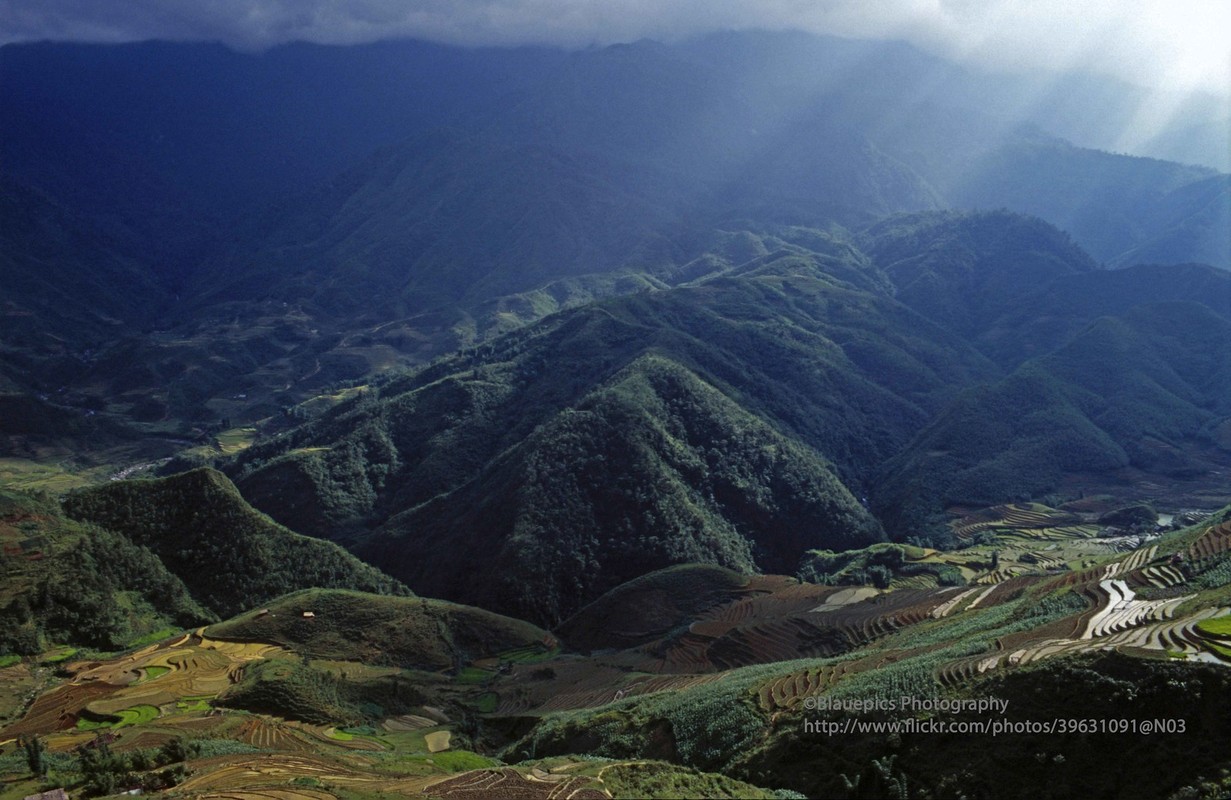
602 403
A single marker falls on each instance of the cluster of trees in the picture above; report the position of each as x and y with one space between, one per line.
228 555
91 587
101 771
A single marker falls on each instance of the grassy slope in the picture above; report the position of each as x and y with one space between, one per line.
650 606
230 555
399 631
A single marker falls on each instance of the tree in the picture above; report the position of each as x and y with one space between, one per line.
36 755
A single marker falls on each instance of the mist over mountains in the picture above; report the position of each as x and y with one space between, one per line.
405 419
630 264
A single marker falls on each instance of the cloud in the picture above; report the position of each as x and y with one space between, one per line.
1163 43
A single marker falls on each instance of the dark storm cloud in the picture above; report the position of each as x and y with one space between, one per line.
1179 43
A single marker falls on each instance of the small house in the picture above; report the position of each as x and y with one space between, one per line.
308 615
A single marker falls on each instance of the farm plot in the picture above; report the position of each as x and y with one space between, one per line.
407 722
1163 576
1215 634
822 630
792 621
332 736
286 793
1022 521
17 685
601 695
271 734
1121 610
573 684
1175 636
123 700
110 692
509 784
58 709
354 670
788 691
1211 544
264 771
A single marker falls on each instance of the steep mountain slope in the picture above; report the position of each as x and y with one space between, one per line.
68 286
315 214
1148 389
446 218
965 270
654 468
1038 322
230 556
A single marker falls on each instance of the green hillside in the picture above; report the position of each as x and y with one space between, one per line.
1148 389
736 418
229 555
1048 317
67 582
694 423
1123 210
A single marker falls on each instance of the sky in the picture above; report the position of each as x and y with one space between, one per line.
1174 44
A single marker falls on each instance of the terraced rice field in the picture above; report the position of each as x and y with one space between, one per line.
1116 620
794 621
58 709
1163 576
263 772
330 735
286 777
1021 522
353 670
788 691
509 784
286 793
1120 610
954 603
1211 544
188 667
271 734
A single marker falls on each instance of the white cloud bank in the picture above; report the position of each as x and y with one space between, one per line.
1175 44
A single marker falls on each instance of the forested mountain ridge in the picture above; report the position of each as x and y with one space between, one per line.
565 425
678 369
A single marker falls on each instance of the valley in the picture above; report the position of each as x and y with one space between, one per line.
306 708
